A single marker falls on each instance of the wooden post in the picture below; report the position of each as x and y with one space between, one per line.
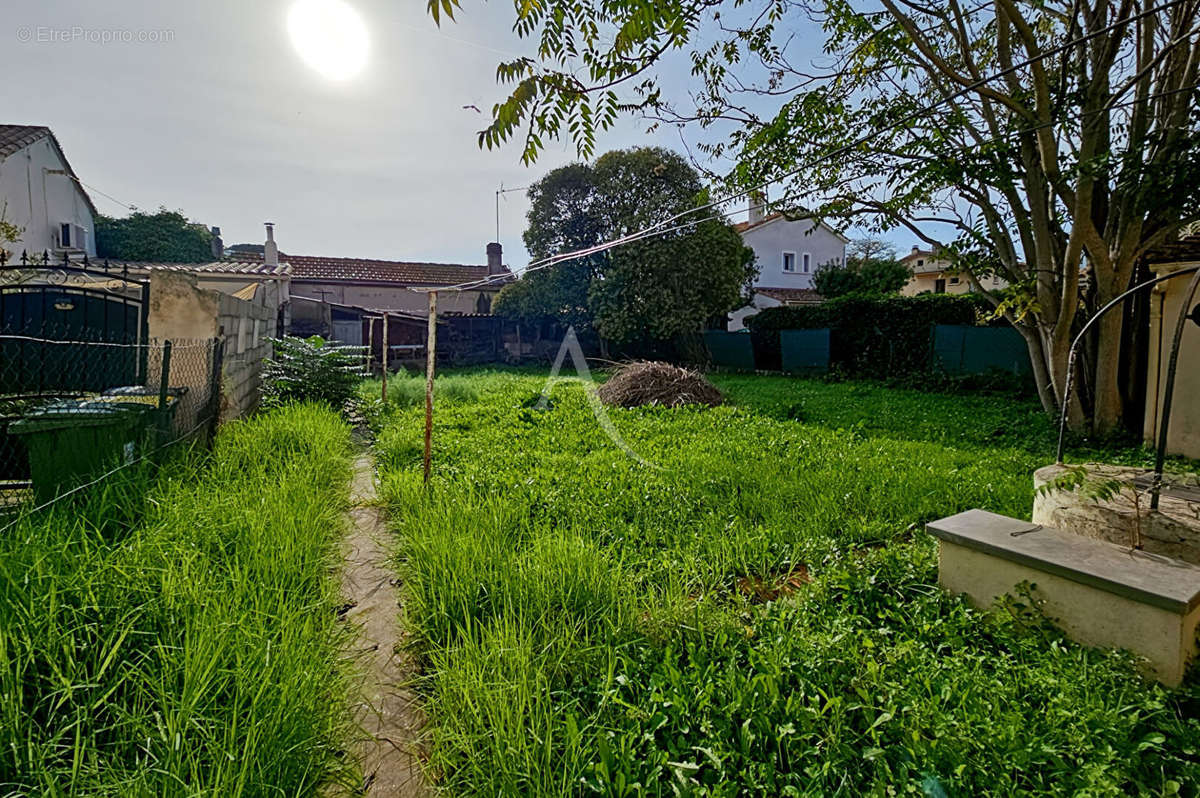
384 356
430 363
370 345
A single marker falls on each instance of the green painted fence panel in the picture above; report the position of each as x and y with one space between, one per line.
804 350
730 350
961 349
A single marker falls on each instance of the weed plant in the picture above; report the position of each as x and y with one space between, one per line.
583 628
175 633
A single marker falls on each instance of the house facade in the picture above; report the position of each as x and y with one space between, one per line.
932 273
41 195
787 253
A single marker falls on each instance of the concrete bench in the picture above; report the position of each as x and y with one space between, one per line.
1099 593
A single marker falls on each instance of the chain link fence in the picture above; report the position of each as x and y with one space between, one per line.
75 411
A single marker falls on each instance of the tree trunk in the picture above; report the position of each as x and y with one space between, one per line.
1049 365
1106 414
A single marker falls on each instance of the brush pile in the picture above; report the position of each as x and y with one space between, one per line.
648 383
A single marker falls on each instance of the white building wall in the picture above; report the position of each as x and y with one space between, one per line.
39 201
772 239
737 319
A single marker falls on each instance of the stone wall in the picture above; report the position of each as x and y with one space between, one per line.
1172 531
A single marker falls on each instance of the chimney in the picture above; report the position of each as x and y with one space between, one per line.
218 246
916 249
495 255
270 251
758 206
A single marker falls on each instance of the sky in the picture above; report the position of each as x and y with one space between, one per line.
209 109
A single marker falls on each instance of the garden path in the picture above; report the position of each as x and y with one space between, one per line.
387 710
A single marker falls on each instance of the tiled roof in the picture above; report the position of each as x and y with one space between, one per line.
742 227
17 137
792 296
1185 249
14 138
309 268
248 268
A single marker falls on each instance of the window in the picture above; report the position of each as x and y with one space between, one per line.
64 237
789 261
920 262
953 281
807 267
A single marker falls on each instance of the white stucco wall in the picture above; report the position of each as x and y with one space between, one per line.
771 239
1166 301
737 319
40 201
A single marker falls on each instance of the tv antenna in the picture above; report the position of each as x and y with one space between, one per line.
499 191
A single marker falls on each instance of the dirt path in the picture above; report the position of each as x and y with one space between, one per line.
387 712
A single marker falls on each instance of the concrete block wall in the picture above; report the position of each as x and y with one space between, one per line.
245 319
247 326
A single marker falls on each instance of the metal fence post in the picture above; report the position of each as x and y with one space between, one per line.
164 382
214 390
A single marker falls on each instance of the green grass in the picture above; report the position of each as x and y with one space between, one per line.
177 635
584 628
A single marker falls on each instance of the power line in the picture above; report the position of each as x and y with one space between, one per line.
125 205
657 229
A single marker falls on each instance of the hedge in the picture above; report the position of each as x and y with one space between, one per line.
869 336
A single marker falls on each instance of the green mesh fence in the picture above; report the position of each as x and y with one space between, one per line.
730 350
963 349
804 350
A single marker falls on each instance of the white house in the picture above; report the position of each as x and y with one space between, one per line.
788 253
41 195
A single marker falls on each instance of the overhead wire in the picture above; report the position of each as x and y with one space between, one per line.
660 228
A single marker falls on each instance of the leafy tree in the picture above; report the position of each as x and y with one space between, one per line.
10 233
660 288
165 236
868 248
1052 142
871 268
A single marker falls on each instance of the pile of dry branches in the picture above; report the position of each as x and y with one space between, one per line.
648 383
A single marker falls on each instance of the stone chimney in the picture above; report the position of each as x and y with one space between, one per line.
495 256
218 246
758 207
270 251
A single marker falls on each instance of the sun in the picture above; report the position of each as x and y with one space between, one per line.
329 36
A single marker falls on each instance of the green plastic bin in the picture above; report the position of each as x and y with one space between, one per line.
72 442
146 400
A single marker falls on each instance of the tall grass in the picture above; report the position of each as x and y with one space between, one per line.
585 626
177 635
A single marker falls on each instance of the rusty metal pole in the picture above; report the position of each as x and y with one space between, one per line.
384 356
430 364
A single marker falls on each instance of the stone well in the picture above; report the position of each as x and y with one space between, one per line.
1172 531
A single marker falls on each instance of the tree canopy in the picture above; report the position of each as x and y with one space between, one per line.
1052 144
871 269
658 288
165 236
